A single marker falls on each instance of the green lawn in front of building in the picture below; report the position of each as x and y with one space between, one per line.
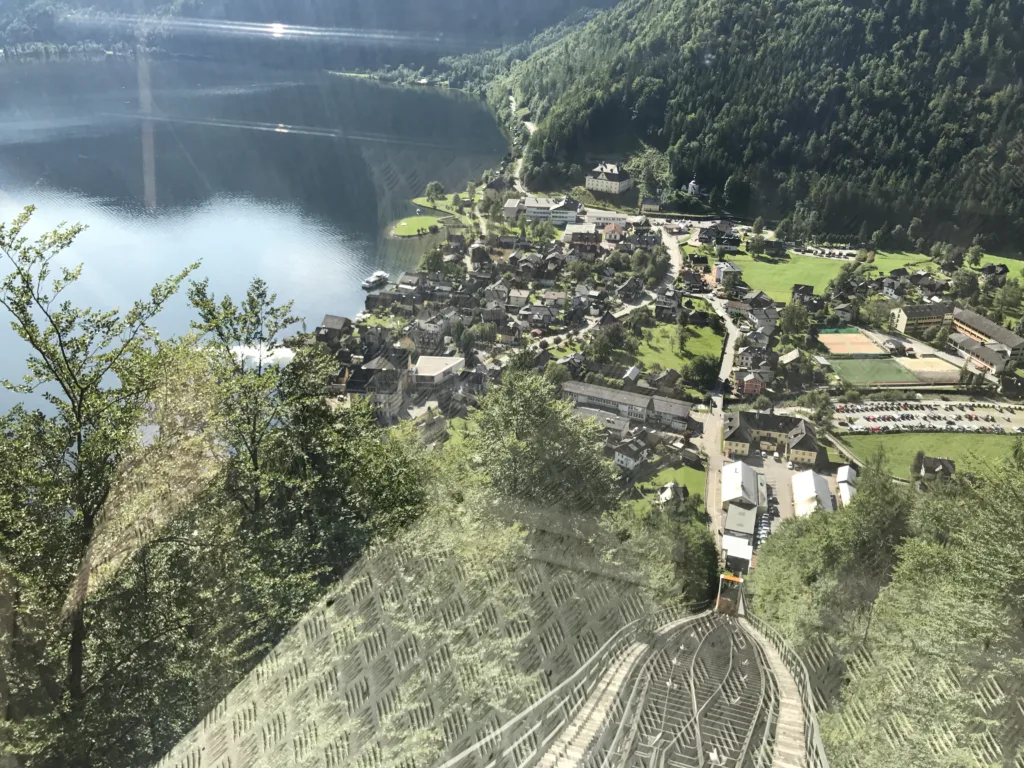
900 449
776 277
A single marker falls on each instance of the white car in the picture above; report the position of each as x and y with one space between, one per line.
789 465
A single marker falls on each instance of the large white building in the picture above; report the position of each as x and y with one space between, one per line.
559 211
434 371
610 178
810 491
604 218
744 486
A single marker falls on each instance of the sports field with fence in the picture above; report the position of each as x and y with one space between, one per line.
849 343
872 372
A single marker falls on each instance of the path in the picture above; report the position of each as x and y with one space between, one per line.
789 730
517 170
574 741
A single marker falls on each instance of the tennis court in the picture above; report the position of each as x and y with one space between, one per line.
849 344
868 372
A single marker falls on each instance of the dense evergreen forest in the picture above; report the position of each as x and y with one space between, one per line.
844 113
923 596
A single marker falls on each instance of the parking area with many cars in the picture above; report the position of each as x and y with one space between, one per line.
933 416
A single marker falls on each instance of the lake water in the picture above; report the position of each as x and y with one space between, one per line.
291 176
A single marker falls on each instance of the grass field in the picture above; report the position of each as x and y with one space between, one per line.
866 372
901 449
776 278
662 350
692 479
409 227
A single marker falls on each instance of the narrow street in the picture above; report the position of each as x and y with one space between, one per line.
517 171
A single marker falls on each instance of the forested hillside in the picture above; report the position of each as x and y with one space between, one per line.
922 595
868 111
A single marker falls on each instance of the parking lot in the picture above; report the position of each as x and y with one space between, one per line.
883 417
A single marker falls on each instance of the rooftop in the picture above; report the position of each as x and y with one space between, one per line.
433 366
739 484
738 548
611 171
606 393
986 327
740 519
928 310
810 491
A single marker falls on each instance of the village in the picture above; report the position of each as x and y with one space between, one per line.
710 374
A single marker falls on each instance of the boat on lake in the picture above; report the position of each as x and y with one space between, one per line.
376 280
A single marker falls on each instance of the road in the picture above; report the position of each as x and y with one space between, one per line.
517 171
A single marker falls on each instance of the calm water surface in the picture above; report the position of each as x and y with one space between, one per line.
294 177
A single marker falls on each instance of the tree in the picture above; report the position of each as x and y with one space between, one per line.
974 255
715 199
434 191
762 403
964 284
534 449
917 464
876 311
702 372
650 170
669 548
755 245
793 319
91 368
433 260
556 374
758 226
732 281
1008 297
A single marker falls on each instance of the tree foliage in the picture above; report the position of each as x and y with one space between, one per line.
532 447
910 582
834 115
171 513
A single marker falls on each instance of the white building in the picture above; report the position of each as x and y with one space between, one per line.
434 371
631 454
846 492
738 553
723 268
743 486
610 178
847 474
810 491
513 208
559 211
604 218
693 188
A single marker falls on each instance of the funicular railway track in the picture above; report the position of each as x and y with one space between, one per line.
702 700
694 694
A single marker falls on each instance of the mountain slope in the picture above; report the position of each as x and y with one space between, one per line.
865 111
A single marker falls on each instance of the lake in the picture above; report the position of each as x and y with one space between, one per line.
292 176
